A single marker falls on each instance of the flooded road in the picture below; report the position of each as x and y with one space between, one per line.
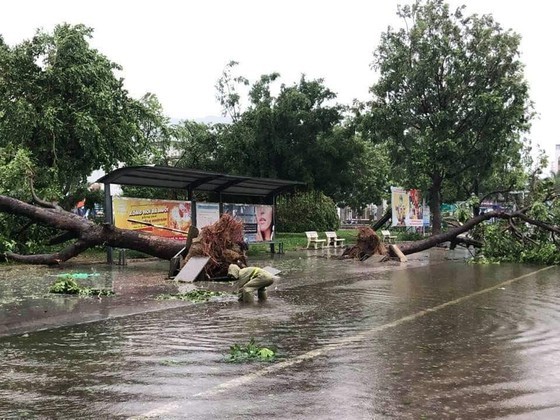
428 339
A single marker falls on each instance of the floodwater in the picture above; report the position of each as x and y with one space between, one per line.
432 338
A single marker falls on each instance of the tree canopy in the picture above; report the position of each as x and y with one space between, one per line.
62 101
451 100
299 133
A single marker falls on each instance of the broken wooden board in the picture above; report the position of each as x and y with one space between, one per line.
192 269
271 270
395 250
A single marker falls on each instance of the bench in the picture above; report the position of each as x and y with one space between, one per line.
387 237
313 238
333 240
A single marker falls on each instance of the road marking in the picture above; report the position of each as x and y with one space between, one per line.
245 379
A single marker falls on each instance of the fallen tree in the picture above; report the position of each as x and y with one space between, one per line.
85 234
222 241
367 238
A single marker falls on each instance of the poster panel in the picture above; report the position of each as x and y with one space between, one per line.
168 218
399 206
258 224
207 214
415 209
407 209
426 216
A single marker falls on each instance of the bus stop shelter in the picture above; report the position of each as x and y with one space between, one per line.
222 186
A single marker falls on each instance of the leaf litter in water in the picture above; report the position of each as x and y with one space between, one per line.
239 353
193 295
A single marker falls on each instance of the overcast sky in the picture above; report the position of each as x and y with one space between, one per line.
178 49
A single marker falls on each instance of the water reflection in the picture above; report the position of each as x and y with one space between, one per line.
494 355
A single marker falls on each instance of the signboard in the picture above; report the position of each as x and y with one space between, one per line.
426 216
406 208
257 220
207 214
167 218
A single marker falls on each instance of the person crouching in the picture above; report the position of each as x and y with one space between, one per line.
250 279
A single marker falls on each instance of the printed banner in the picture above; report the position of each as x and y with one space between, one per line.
406 208
426 216
258 224
168 218
207 214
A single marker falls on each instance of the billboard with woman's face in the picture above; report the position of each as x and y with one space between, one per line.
258 221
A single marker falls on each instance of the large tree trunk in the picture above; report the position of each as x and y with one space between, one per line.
450 235
435 204
86 234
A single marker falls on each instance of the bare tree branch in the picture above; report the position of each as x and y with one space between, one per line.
39 201
538 223
51 259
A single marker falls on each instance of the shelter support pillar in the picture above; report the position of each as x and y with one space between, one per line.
108 217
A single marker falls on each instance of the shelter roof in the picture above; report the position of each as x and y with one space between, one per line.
196 180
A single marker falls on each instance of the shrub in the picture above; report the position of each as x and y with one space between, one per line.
306 211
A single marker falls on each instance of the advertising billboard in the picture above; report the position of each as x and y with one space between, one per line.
168 218
258 222
207 214
406 208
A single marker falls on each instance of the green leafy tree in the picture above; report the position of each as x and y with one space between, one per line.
188 144
301 134
279 136
155 132
303 211
198 145
61 101
227 91
451 101
361 175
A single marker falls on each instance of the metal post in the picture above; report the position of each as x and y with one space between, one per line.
108 217
192 199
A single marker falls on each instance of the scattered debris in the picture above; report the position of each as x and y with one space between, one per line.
66 284
193 296
250 352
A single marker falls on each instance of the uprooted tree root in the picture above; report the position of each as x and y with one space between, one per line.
223 243
368 243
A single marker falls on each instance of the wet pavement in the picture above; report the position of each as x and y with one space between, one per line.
433 338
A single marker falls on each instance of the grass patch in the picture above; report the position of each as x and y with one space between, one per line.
192 296
297 241
250 352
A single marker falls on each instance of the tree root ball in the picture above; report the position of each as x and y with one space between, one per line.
223 243
368 243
